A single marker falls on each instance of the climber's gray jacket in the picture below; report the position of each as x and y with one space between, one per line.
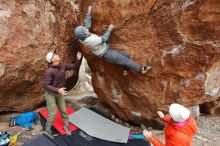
96 44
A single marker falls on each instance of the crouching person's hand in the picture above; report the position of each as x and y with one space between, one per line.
161 115
147 134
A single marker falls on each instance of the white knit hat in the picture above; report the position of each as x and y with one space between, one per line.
178 112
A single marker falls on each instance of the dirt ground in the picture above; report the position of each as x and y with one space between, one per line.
208 133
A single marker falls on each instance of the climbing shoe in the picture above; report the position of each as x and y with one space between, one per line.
48 134
145 69
68 132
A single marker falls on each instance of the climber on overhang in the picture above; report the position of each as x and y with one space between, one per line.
99 47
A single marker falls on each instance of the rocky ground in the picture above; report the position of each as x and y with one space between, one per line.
208 133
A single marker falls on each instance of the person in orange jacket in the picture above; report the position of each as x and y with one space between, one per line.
180 129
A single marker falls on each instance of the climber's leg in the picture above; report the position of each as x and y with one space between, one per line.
125 72
124 53
115 57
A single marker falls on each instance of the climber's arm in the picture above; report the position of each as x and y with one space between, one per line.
107 34
88 20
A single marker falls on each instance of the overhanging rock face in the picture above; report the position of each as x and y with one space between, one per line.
180 39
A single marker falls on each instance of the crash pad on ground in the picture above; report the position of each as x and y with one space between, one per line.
97 126
40 140
80 138
58 122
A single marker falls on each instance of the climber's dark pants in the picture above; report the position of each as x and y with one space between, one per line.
121 58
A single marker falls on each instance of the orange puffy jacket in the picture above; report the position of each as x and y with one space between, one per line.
176 135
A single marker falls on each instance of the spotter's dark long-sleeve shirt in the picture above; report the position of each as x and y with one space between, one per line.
54 77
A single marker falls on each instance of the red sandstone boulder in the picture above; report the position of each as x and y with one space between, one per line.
180 39
28 30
